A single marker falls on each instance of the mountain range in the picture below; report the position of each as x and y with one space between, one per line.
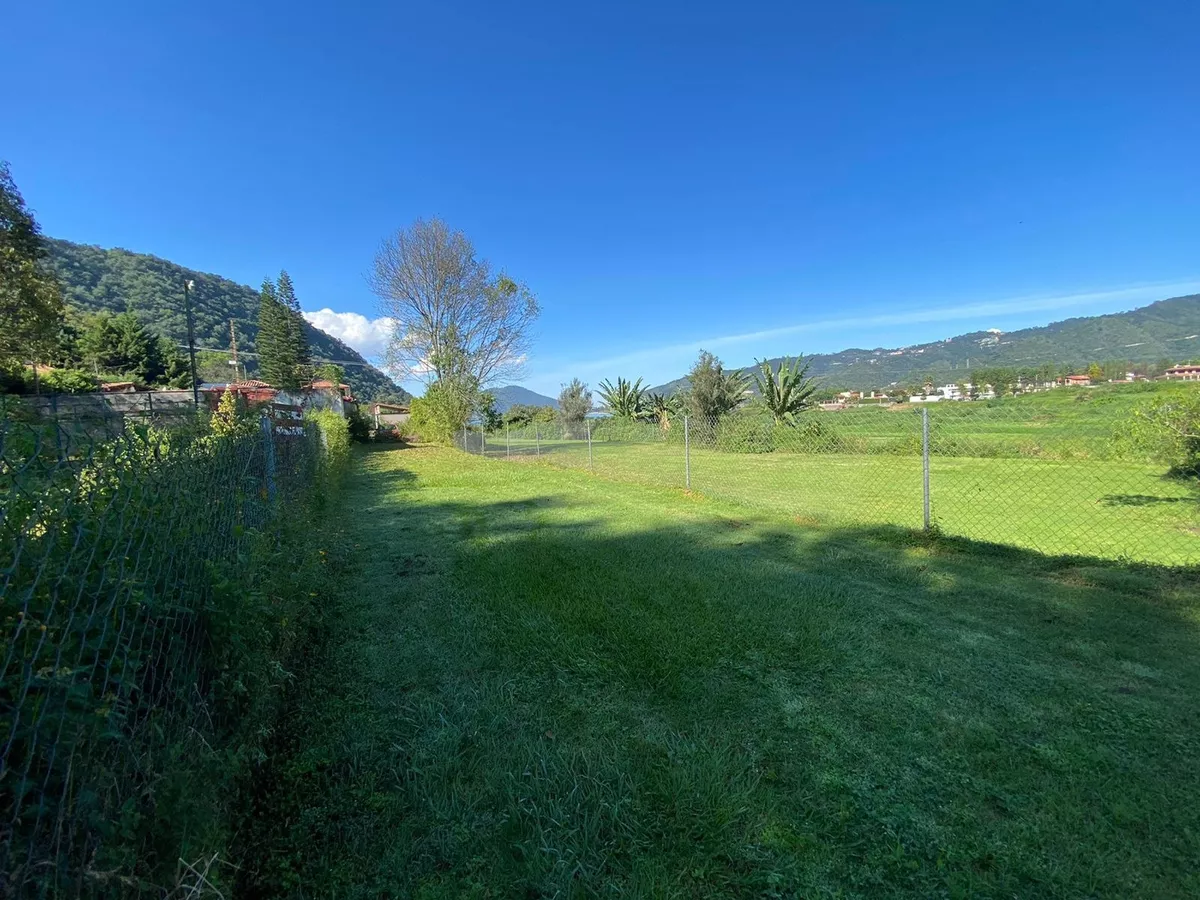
514 395
94 278
1165 330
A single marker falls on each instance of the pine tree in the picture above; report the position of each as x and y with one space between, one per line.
297 344
276 351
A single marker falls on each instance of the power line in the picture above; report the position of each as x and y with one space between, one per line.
340 362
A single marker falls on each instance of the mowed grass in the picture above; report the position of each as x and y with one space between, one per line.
538 683
1107 508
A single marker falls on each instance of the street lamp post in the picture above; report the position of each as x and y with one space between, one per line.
187 308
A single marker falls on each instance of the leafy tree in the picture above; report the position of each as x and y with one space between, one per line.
712 391
330 372
1095 372
1167 429
521 414
786 392
67 381
1003 380
440 414
488 414
574 403
429 280
625 400
213 366
451 398
31 305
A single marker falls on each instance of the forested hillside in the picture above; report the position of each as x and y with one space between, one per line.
95 279
1163 331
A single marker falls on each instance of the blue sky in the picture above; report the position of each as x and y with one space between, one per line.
755 178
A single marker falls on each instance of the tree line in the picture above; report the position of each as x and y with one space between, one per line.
48 345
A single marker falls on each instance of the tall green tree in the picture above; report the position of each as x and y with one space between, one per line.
625 399
277 359
787 392
574 403
296 340
31 305
712 392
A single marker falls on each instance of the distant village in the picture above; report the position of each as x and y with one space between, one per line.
967 391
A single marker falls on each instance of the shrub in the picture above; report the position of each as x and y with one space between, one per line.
231 417
359 425
815 435
214 597
391 433
440 414
745 434
1167 430
617 428
62 381
335 435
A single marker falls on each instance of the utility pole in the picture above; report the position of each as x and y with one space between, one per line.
237 373
187 308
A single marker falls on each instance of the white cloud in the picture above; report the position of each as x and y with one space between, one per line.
368 336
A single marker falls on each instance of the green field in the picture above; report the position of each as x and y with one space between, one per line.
1048 472
532 682
1096 508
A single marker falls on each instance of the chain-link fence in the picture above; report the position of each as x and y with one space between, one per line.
1061 483
112 543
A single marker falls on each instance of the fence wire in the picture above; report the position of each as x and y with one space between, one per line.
1061 483
109 535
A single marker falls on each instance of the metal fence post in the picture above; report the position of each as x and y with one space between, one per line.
588 422
269 456
687 456
537 437
925 460
507 441
464 446
482 441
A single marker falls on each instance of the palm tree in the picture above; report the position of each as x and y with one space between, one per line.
624 400
662 409
786 392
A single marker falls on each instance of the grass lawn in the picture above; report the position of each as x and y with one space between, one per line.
534 682
1096 507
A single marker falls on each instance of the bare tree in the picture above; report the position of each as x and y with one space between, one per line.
454 317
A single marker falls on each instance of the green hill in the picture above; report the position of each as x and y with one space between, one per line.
1162 331
94 279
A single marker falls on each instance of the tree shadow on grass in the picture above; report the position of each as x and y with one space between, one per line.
1144 500
575 696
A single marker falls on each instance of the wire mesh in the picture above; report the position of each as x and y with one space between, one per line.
1057 478
109 532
